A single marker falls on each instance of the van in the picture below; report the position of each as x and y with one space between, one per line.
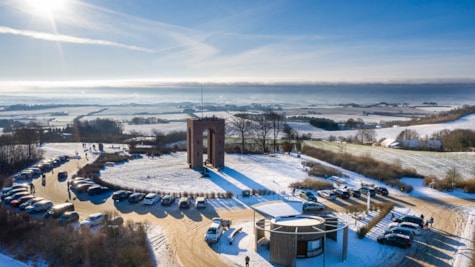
200 202
59 209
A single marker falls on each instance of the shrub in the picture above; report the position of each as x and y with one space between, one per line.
384 209
311 183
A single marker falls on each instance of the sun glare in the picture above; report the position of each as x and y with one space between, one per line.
46 7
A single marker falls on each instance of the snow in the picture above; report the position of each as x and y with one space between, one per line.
270 173
273 174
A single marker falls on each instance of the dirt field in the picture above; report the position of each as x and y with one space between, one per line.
184 230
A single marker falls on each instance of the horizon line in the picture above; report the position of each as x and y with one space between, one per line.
145 83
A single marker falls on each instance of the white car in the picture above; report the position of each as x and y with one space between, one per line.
214 232
327 194
93 220
151 199
40 206
416 229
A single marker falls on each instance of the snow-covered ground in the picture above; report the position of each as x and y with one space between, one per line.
272 173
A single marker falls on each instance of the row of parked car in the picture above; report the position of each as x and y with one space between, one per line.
41 167
153 198
87 185
401 232
64 213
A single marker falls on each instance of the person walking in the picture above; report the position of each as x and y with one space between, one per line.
247 261
431 221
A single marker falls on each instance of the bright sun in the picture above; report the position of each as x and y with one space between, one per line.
46 7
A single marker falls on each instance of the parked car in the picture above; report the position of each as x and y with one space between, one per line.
121 195
16 196
13 192
30 202
97 189
410 218
307 195
200 203
40 206
327 194
6 190
342 193
355 192
214 232
307 206
62 175
382 190
398 240
59 209
415 228
401 230
83 187
93 220
365 190
168 200
136 197
17 202
68 217
184 203
151 199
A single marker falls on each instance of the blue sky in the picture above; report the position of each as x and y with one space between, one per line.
117 41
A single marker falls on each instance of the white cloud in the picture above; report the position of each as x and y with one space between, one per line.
69 39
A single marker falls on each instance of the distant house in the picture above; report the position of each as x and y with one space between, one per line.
390 143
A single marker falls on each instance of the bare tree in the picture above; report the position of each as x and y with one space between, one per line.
408 134
366 135
241 126
277 121
261 130
452 176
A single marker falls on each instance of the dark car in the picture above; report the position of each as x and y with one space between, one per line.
17 202
393 239
13 192
97 189
308 195
167 200
68 217
62 175
136 197
16 196
58 210
121 195
342 193
402 231
410 218
382 191
367 190
30 202
355 193
83 187
184 203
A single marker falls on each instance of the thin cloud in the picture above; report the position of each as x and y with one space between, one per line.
69 39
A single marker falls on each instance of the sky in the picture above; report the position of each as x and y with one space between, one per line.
145 41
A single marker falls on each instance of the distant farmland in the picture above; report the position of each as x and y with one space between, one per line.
426 163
